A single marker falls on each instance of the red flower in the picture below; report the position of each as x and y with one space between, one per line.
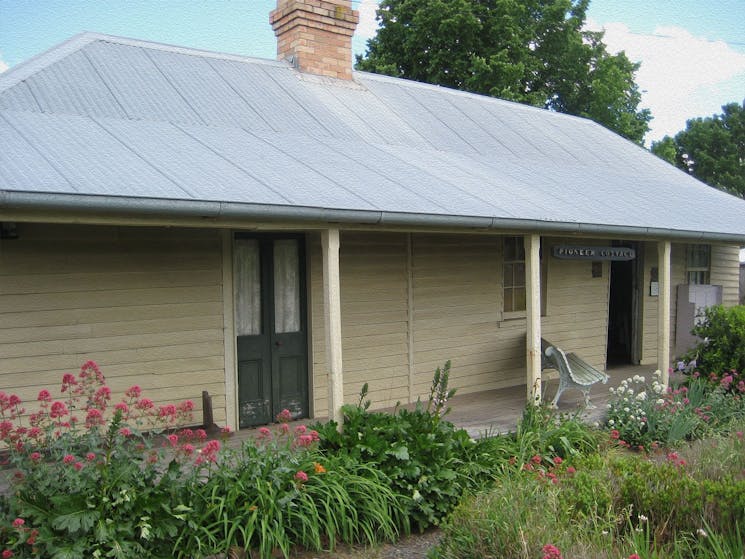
90 457
536 459
133 391
18 522
59 409
558 460
7 554
615 435
68 459
551 552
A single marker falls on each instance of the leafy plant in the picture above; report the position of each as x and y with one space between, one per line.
723 347
420 453
88 483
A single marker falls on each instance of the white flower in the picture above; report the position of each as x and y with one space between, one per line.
612 390
660 401
604 532
641 396
627 410
701 532
643 518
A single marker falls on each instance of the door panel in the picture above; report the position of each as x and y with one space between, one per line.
272 349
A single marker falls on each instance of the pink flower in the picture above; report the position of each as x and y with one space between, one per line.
285 428
58 409
187 449
301 429
78 466
558 460
93 418
225 430
44 396
186 406
90 457
145 404
634 556
571 470
301 476
173 439
615 434
167 411
200 434
7 554
122 407
551 552
35 456
124 431
305 440
68 380
133 391
18 522
536 459
68 459
284 416
264 433
314 435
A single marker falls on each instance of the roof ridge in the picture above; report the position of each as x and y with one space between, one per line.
24 70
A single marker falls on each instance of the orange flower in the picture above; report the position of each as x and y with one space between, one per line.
319 468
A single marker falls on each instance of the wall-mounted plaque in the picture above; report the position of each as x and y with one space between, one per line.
569 252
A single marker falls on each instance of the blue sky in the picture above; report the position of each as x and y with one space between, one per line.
692 51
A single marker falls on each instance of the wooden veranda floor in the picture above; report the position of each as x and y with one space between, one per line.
497 411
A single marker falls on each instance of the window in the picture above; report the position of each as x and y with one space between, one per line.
513 281
698 264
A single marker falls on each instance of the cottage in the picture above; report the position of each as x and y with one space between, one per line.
280 232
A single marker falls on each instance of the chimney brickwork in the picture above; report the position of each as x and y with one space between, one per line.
317 34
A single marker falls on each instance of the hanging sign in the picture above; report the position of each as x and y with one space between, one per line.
568 252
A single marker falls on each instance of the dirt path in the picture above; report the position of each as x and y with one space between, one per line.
414 546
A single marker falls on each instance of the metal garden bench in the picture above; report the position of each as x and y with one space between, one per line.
573 371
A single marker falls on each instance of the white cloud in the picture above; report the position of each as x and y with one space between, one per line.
681 76
367 27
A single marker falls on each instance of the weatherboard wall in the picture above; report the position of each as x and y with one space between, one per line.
145 303
410 302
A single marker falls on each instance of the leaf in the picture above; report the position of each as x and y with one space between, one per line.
401 452
81 520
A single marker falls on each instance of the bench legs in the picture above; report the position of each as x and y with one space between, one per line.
563 386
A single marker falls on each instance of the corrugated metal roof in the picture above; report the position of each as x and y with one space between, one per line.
150 126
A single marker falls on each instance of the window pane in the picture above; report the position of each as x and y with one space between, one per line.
520 274
519 293
247 264
508 306
286 286
509 249
509 277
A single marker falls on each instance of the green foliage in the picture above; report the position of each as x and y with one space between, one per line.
723 348
279 491
712 149
420 453
534 52
86 486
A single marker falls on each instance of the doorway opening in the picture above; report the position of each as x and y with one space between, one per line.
624 316
271 327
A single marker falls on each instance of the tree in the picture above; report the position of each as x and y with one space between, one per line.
712 149
530 51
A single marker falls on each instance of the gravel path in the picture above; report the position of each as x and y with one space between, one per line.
414 546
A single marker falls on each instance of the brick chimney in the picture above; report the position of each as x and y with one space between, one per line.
316 34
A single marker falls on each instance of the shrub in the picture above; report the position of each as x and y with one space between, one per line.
278 491
421 453
90 484
723 333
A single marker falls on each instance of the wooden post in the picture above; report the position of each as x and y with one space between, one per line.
533 311
332 315
663 310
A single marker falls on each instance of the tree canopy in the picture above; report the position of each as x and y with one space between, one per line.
530 51
712 149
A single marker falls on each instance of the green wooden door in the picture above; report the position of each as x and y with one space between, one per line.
271 331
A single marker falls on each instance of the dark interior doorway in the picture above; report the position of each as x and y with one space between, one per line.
624 311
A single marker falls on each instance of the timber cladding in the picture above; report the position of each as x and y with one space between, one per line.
145 303
411 302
